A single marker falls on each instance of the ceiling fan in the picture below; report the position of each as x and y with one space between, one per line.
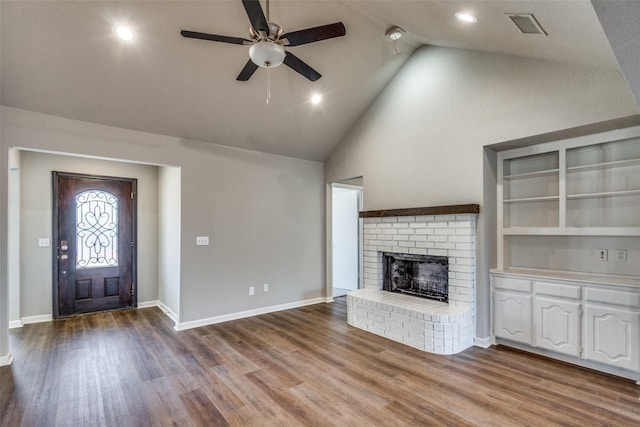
267 41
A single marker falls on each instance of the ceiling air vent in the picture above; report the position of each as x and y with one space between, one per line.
526 23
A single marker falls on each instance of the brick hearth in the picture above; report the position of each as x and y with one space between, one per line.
429 325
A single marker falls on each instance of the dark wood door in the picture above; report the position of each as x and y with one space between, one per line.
94 228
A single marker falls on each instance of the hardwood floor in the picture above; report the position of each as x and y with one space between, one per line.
298 367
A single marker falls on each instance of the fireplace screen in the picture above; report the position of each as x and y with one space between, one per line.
420 275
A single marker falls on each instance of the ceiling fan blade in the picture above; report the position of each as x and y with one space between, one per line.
214 38
256 15
249 68
315 34
298 65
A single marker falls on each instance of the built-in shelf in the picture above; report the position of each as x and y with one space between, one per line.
587 192
562 207
532 199
548 172
602 194
571 231
603 165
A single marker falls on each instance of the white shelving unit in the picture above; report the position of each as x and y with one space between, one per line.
576 187
560 204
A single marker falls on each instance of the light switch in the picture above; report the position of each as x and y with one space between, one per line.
44 242
202 240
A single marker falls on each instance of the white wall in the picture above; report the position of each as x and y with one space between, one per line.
345 238
35 222
263 213
421 142
619 20
14 236
169 196
5 355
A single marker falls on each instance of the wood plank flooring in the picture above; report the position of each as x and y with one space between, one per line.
301 367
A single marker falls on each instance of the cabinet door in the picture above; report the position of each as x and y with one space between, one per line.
613 336
512 316
557 325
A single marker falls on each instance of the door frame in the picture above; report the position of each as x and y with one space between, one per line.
359 190
55 238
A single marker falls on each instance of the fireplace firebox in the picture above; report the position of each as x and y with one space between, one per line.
424 276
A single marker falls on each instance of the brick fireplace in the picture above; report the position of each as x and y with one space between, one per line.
430 325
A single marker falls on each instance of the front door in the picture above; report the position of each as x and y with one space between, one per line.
94 228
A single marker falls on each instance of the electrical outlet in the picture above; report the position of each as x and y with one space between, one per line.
603 254
621 255
202 240
252 290
265 287
43 242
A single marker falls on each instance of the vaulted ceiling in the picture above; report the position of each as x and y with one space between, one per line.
61 58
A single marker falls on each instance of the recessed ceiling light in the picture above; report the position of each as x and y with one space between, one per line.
316 99
466 17
124 33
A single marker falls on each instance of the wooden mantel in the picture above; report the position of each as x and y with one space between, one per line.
431 210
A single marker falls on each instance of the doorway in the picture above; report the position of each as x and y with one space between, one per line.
346 232
94 232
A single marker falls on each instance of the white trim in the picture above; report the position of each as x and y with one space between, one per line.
170 314
346 186
6 360
329 299
147 304
15 324
249 313
485 342
37 319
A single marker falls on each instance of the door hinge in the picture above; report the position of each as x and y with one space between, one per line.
580 350
133 289
132 195
580 312
132 243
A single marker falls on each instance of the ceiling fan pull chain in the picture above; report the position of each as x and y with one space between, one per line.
268 84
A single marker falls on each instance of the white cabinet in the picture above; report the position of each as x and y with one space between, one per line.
557 325
613 336
512 309
513 316
612 323
593 324
556 317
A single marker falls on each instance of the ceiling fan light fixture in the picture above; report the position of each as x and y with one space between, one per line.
267 54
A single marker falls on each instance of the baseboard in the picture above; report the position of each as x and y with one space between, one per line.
147 304
157 303
170 314
6 360
37 319
249 313
329 299
15 324
485 342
